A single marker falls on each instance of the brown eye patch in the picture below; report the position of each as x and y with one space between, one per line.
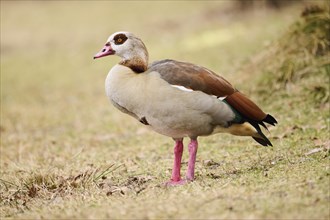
120 39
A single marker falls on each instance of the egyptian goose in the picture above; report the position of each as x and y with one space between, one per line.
178 99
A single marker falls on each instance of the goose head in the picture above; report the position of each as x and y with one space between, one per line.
130 48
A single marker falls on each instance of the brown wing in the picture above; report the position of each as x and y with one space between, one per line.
199 78
193 77
245 106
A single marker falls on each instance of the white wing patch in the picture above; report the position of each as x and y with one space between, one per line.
182 88
222 98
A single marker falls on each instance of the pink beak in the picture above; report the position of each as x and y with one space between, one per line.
106 50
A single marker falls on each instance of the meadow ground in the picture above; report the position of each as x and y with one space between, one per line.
67 153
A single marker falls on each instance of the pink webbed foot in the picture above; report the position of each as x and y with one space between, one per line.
176 183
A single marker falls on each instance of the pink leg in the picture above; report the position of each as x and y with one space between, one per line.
193 145
176 176
178 149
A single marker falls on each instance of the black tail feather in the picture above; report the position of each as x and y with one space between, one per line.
263 125
261 138
270 120
263 142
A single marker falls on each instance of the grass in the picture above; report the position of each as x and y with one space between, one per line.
66 153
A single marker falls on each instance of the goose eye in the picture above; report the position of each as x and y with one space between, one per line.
120 39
